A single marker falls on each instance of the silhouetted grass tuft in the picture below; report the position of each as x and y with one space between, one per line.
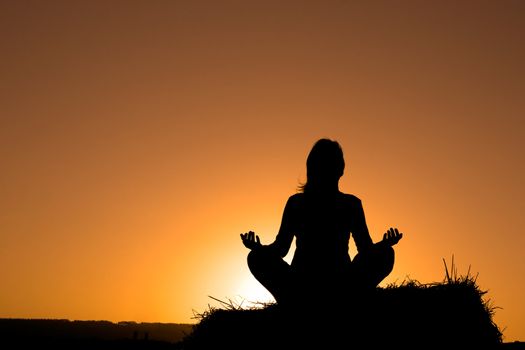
448 314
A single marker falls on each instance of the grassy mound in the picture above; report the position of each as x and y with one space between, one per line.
449 314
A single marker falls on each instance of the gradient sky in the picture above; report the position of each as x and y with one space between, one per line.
138 139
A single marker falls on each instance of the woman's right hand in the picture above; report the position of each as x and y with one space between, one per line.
392 236
250 240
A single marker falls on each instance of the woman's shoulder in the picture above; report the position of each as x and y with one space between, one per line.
295 201
350 198
296 197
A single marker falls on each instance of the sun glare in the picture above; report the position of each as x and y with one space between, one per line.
251 292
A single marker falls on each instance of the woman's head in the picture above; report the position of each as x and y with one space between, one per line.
324 166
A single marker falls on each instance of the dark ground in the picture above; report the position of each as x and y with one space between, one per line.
65 334
449 315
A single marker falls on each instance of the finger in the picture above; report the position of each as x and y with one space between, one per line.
258 240
250 235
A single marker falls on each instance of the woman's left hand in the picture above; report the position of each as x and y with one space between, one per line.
250 240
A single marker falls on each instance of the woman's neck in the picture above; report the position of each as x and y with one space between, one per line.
324 188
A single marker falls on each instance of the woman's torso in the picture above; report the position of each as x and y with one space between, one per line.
322 226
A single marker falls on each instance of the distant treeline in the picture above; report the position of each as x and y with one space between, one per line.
65 330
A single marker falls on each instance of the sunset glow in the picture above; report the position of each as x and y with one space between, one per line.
138 139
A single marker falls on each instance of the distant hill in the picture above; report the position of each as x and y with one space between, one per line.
65 332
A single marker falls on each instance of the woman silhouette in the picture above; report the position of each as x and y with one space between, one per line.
322 219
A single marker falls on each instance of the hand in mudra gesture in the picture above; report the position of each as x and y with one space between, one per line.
392 236
251 240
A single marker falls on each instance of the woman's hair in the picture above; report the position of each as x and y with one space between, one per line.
324 166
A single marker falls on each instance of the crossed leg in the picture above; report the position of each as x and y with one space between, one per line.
371 267
272 272
368 269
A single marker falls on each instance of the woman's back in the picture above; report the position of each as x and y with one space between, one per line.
322 224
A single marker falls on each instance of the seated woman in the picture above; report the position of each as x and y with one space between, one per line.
322 219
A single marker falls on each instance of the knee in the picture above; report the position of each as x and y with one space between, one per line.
253 258
389 256
384 257
390 253
256 258
383 253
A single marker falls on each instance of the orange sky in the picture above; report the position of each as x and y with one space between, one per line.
139 138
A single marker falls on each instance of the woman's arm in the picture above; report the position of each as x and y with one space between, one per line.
362 238
284 237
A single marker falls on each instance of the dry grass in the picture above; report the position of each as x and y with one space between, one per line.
449 314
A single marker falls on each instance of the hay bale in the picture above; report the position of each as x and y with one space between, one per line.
451 314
